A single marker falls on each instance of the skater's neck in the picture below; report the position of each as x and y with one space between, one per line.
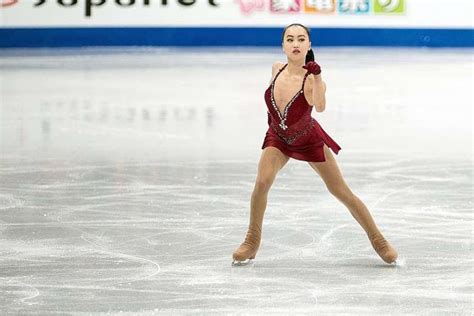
295 67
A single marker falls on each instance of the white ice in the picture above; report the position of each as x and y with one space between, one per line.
126 176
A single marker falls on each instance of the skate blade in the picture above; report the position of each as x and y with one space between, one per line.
242 263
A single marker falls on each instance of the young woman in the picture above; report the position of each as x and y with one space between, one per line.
292 132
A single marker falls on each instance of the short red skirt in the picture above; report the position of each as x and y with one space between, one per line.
309 147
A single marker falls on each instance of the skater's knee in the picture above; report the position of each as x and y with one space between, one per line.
263 184
341 192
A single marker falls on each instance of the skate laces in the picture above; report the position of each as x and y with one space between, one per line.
379 243
252 238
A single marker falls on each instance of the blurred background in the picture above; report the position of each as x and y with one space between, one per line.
131 131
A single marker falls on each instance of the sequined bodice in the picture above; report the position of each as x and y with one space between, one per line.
296 120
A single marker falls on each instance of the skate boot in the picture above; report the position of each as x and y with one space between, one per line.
383 248
248 249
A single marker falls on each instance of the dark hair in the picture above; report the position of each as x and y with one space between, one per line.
310 54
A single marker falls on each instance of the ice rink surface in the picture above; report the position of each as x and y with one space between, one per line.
126 177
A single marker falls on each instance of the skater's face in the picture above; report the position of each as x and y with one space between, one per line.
296 43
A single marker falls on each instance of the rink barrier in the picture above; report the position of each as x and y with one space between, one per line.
229 36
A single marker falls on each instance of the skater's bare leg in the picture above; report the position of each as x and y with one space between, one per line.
336 185
271 161
332 177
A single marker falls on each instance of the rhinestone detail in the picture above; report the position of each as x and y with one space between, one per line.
287 107
292 138
284 116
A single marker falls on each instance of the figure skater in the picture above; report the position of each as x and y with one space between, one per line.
293 132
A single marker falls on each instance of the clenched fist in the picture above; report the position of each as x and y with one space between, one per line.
312 67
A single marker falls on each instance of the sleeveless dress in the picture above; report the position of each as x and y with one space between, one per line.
295 132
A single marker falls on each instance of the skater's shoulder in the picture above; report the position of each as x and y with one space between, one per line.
277 65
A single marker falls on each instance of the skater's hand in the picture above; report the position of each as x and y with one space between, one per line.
312 67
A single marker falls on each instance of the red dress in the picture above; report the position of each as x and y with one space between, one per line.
295 132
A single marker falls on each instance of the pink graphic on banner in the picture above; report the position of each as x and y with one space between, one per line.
285 5
7 3
248 6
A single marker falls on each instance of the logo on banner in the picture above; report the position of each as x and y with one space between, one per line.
320 6
285 6
90 5
389 6
329 7
342 7
248 6
354 6
7 3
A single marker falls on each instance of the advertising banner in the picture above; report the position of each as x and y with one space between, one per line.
254 13
38 23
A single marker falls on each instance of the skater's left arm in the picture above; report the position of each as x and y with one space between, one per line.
319 93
